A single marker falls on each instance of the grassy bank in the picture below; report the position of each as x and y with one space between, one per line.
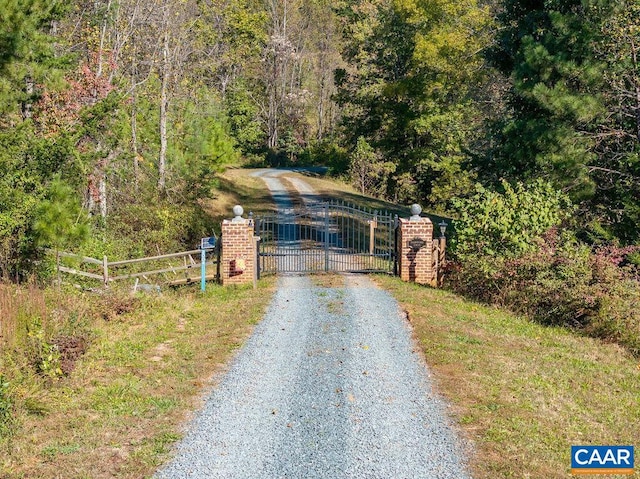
524 393
145 368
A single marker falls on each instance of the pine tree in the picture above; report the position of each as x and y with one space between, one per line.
60 221
546 50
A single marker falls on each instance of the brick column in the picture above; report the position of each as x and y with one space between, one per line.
238 250
415 249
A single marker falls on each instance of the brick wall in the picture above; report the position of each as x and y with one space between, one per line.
415 251
238 252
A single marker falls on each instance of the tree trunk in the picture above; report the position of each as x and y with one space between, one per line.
99 60
27 106
162 160
134 135
636 82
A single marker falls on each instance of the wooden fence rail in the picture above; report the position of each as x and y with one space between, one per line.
189 271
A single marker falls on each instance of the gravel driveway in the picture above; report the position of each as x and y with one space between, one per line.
280 194
328 386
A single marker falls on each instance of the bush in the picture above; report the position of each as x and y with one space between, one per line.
506 224
562 282
6 408
329 153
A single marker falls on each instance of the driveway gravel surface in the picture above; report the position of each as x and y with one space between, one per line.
328 386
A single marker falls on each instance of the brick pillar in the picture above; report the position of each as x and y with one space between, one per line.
415 250
238 250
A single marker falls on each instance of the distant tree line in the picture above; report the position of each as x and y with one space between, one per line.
459 93
136 105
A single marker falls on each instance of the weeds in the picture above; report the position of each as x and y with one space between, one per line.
108 382
6 407
18 306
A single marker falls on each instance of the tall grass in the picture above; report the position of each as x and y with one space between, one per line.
19 305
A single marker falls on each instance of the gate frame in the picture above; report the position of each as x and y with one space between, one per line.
359 240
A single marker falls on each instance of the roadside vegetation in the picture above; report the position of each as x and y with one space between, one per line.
124 125
521 391
98 385
519 250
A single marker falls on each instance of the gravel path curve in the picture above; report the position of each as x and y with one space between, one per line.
328 386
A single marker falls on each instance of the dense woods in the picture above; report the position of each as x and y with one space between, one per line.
132 107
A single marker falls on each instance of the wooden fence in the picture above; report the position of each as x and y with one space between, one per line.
169 269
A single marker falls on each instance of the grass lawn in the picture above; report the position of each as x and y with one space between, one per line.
237 186
332 189
522 392
145 371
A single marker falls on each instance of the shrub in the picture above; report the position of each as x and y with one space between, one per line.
494 225
562 282
43 355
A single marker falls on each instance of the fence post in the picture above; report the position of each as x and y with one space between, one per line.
326 237
105 270
238 249
373 224
415 248
218 253
203 269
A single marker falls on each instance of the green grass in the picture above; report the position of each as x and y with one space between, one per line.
522 392
119 412
238 187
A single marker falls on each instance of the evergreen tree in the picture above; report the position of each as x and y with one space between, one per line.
60 221
546 50
27 56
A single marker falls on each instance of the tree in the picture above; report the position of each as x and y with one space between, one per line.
27 54
617 142
574 104
203 145
60 220
414 70
368 172
546 50
21 28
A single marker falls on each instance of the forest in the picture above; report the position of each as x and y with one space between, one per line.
519 119
122 120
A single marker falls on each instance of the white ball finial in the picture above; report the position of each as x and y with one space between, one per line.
416 209
238 211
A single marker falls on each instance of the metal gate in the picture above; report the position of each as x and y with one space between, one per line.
326 237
